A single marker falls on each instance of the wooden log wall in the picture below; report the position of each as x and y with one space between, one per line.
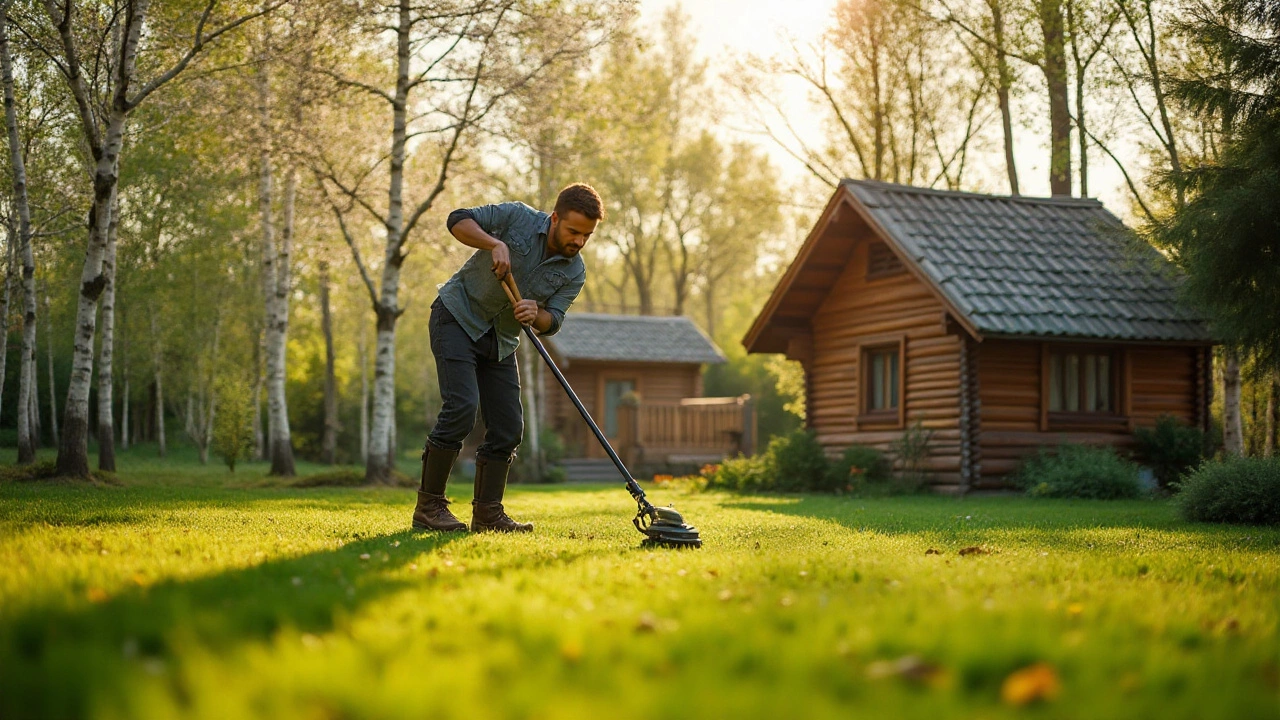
1156 380
660 383
858 313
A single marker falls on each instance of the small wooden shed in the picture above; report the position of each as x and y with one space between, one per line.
1001 324
641 379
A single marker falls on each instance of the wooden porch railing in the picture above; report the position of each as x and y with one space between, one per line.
694 430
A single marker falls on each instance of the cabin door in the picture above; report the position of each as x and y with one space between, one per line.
615 389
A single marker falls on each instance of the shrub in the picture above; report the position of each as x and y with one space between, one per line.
1170 449
1079 471
909 452
799 462
233 424
858 467
1235 490
743 474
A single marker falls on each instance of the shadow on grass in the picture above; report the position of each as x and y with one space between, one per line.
57 662
969 519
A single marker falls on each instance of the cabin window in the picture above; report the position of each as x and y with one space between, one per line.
882 383
882 262
1082 382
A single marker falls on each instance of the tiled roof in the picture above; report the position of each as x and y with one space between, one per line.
634 338
1033 266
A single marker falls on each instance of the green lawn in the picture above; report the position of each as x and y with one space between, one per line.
182 592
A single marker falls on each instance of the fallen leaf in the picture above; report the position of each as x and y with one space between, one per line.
908 667
1031 684
725 595
974 550
647 623
97 595
932 551
364 556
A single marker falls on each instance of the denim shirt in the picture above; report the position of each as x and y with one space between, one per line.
475 297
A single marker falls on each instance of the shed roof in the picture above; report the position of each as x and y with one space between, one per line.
633 338
1019 266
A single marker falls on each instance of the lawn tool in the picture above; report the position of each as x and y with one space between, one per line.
661 526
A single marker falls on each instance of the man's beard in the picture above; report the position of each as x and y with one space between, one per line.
558 245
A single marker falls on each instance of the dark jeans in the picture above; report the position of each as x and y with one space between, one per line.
471 376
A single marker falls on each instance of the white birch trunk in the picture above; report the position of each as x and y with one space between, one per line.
157 371
378 462
27 369
259 450
1232 423
106 426
531 406
363 349
277 339
10 246
329 438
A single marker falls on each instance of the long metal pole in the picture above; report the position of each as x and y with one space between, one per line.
513 293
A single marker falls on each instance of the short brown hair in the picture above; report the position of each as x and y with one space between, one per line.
582 198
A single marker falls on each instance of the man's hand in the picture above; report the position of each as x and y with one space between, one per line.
501 260
526 311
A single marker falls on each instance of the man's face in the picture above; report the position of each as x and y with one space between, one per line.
569 233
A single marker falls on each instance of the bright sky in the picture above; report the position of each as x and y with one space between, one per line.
727 27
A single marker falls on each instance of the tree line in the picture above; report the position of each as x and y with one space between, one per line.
228 216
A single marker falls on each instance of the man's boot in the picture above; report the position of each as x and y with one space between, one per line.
432 512
486 509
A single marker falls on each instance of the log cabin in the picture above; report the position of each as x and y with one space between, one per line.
640 377
998 324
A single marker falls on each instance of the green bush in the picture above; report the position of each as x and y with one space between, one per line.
743 474
1170 449
1235 490
233 424
1079 471
799 462
859 467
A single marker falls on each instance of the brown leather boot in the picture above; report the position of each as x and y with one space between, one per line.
432 513
487 513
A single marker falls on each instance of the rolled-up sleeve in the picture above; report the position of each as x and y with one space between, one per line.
558 304
496 219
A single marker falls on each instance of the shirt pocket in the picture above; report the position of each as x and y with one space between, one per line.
548 283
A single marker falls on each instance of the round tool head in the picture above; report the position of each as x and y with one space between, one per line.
664 527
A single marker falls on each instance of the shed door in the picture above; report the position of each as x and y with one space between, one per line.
614 390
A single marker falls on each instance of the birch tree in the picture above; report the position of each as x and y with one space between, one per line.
17 165
103 106
454 63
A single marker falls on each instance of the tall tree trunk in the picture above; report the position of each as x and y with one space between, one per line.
106 428
125 430
363 352
26 383
281 443
11 246
157 370
329 438
259 378
1232 423
53 385
1004 86
532 418
387 310
1269 441
1055 75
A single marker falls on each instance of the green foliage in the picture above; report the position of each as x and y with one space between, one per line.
1079 471
1170 448
745 473
798 462
859 469
1224 236
233 422
1235 490
909 452
41 470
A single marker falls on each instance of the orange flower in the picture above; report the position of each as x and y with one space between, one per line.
659 479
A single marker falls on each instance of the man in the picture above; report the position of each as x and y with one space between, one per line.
474 334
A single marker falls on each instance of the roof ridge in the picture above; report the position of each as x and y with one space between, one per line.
1024 199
